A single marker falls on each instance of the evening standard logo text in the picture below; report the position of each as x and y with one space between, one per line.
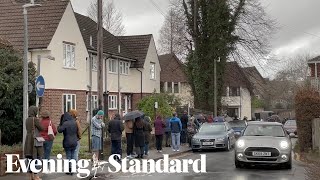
82 167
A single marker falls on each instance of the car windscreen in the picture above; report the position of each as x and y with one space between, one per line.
239 123
291 123
212 128
264 130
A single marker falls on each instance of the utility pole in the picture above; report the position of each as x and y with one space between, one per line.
90 100
215 87
119 89
171 31
100 67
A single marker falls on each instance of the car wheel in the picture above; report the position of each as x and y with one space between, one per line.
288 165
238 164
228 147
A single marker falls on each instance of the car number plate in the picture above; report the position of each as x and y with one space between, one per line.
207 143
254 153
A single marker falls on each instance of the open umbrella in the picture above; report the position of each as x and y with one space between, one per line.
132 115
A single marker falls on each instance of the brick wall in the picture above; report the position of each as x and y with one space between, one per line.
53 102
136 98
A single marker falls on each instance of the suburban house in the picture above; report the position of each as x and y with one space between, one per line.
236 100
66 43
314 71
174 80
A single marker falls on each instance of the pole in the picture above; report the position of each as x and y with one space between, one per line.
119 93
215 88
25 75
90 100
106 99
38 74
100 66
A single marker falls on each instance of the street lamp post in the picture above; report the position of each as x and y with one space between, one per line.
25 68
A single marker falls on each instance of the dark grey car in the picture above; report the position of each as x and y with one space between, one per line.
218 135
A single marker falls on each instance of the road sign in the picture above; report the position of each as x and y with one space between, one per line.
40 86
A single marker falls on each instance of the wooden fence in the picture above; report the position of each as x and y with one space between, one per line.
316 134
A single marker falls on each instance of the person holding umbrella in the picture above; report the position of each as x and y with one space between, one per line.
138 133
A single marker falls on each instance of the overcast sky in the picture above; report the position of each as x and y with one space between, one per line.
299 31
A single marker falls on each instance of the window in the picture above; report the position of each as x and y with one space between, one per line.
162 88
129 101
112 102
68 56
94 101
169 88
69 102
152 70
113 65
94 62
124 67
176 87
234 91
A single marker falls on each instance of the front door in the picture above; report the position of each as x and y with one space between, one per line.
125 110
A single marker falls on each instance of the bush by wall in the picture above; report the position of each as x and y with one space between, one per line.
307 107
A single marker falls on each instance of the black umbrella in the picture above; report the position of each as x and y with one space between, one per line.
132 115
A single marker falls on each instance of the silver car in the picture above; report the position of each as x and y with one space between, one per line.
264 143
217 135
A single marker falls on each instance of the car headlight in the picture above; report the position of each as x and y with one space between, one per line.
220 139
284 144
196 140
240 143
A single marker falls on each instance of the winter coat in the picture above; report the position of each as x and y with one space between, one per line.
115 128
175 125
167 129
147 129
29 149
70 132
159 126
138 133
128 126
184 120
45 123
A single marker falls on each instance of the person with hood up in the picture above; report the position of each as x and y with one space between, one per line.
138 133
70 137
45 122
74 114
31 149
115 128
96 132
176 128
159 126
147 134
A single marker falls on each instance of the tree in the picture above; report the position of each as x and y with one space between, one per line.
173 33
11 84
222 29
112 18
166 104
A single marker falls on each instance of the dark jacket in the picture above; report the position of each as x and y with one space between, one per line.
115 128
147 130
29 148
184 120
159 126
138 133
167 129
70 132
175 125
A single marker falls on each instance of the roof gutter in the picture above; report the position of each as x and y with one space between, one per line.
109 55
140 82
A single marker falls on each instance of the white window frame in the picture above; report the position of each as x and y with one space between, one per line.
94 100
153 70
69 99
94 61
112 102
173 88
69 56
112 63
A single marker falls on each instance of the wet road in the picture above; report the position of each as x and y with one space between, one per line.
220 166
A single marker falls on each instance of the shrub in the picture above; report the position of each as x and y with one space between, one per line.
307 107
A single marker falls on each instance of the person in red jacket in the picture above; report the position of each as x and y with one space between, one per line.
45 122
159 126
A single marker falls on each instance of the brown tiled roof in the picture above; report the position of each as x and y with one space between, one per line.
138 45
253 72
88 28
315 59
172 69
257 81
42 22
235 77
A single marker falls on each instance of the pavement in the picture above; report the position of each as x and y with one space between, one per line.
101 173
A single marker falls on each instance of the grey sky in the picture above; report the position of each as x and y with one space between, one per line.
298 33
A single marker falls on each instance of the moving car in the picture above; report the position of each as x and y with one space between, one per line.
291 128
218 135
238 126
264 143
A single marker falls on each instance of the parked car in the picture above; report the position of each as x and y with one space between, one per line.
238 126
291 128
218 135
264 143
